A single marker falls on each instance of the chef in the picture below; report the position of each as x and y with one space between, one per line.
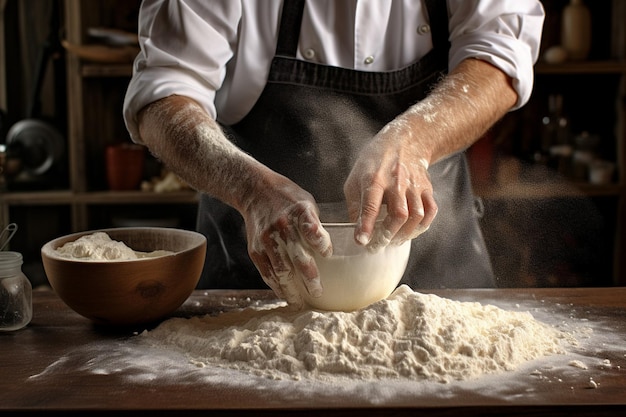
270 108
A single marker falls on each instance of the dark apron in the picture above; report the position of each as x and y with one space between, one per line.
310 123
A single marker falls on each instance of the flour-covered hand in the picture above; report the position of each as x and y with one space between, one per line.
283 230
393 168
390 170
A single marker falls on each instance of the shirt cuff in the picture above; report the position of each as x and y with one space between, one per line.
156 83
513 57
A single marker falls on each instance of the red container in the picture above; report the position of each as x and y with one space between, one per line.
124 166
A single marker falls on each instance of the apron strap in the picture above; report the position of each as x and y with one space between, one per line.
438 17
291 19
289 31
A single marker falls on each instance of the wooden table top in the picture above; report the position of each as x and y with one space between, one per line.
62 363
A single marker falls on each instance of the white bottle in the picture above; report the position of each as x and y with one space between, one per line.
576 30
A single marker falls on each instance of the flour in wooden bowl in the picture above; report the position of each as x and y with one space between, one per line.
99 246
409 335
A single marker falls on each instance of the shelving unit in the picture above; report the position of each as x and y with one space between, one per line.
572 212
95 94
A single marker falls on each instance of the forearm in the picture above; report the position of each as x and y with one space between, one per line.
459 110
280 218
190 143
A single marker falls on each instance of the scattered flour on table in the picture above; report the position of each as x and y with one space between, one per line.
577 364
407 336
99 246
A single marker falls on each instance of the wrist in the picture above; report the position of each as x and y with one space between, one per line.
414 136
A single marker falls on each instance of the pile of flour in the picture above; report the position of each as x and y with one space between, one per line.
409 335
99 246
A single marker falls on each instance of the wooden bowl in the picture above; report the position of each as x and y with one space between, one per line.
128 292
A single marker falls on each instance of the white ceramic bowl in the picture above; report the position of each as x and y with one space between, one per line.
354 277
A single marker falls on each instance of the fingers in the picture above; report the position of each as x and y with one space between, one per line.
369 202
410 209
310 236
273 265
430 212
305 268
283 254
312 232
422 210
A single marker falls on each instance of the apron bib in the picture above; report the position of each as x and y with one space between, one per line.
310 123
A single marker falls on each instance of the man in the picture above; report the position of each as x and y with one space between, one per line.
272 107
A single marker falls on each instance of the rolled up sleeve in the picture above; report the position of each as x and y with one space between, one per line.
173 62
506 34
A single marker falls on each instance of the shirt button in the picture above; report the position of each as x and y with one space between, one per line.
423 29
369 60
309 53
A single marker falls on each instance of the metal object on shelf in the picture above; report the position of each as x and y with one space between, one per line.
38 144
7 234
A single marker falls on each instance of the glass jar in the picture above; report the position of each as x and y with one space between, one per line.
16 305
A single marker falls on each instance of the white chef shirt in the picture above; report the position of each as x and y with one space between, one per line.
218 52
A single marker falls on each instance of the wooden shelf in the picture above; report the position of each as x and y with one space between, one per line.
582 67
527 190
98 197
37 197
138 197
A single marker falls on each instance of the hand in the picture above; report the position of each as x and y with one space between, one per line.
390 170
283 228
282 221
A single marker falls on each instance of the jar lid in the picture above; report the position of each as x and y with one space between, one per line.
9 260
